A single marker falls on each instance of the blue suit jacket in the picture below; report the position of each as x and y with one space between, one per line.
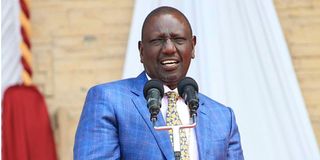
115 124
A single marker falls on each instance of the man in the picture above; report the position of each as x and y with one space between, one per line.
115 122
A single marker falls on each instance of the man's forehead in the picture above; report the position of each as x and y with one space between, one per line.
156 16
166 19
166 25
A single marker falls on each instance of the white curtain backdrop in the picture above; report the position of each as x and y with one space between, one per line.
242 61
10 39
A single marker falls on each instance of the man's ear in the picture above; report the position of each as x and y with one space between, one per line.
140 47
194 42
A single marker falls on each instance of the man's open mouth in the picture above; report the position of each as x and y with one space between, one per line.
170 64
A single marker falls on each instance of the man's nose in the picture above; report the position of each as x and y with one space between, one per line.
169 47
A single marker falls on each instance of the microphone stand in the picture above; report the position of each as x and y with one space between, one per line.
176 134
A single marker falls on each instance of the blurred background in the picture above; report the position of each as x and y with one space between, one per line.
80 43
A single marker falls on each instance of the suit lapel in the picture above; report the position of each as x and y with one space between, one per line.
201 130
162 137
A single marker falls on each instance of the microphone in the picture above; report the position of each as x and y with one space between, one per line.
153 92
188 90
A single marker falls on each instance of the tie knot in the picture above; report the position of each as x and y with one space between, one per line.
172 95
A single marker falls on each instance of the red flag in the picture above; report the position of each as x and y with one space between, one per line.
26 129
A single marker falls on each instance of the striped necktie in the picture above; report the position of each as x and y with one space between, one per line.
172 119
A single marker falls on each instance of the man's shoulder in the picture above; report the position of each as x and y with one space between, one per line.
214 108
122 84
212 103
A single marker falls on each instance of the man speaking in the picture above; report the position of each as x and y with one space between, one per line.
115 121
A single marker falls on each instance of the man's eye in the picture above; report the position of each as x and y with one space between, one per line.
156 41
179 40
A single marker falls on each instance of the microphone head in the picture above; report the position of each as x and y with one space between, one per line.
154 83
187 81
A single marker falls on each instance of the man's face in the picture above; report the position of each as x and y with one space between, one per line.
167 48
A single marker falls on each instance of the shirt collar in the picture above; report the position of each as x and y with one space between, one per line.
166 88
